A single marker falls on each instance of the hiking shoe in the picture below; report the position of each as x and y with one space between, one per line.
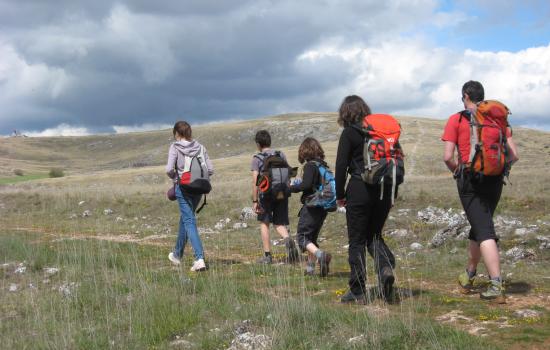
175 260
266 260
198 265
292 252
466 283
310 268
324 262
386 283
349 298
494 293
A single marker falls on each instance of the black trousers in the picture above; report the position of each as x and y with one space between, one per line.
366 214
479 199
310 223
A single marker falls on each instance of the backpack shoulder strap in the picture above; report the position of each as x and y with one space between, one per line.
261 157
359 128
473 131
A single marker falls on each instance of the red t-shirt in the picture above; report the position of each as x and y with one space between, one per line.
460 135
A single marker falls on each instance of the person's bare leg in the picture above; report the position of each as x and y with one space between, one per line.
281 230
474 256
491 257
312 249
264 231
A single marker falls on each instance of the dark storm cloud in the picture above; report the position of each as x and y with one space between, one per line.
139 62
100 63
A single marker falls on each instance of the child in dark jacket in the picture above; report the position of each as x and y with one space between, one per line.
311 218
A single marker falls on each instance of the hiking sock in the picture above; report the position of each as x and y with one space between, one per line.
318 253
471 274
496 279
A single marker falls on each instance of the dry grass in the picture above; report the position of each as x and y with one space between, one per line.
126 295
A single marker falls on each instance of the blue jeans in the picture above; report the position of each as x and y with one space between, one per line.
188 224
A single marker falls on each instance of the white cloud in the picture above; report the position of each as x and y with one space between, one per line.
122 129
411 77
60 130
24 79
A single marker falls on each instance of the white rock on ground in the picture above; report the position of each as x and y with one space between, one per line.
240 225
81 203
250 341
247 213
357 340
434 215
399 233
21 269
416 246
182 344
518 253
527 313
50 271
67 289
108 211
13 287
452 231
86 213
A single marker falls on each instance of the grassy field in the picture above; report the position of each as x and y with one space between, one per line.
115 288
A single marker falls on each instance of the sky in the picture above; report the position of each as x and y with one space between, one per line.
77 67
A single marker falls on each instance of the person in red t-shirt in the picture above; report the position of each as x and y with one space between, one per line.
479 198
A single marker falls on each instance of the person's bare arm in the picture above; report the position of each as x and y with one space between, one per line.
449 156
513 150
254 191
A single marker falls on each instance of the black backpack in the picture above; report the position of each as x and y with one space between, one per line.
274 177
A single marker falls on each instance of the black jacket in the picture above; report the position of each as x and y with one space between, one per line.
310 180
349 158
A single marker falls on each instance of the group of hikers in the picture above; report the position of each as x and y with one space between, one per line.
369 168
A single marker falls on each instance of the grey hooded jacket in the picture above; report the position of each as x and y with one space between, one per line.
176 155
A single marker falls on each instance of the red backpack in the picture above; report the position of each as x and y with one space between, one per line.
382 153
488 149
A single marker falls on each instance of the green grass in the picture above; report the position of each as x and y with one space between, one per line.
126 297
125 294
16 179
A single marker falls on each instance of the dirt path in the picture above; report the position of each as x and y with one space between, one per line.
152 240
412 155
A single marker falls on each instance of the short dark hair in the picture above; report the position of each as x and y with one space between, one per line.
310 149
352 110
263 138
474 90
183 129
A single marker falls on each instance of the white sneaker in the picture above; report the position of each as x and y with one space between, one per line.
198 265
173 259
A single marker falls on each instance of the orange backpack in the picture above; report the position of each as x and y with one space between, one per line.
488 149
382 153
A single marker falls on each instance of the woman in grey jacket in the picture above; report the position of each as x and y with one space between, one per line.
186 147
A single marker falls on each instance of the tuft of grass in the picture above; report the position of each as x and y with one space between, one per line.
56 172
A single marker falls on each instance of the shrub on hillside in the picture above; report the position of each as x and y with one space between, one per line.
18 172
56 172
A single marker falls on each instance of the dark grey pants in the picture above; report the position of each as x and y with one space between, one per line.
309 225
366 214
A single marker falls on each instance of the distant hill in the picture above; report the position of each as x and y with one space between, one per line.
77 155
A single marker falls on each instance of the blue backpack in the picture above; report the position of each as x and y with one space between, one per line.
325 195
